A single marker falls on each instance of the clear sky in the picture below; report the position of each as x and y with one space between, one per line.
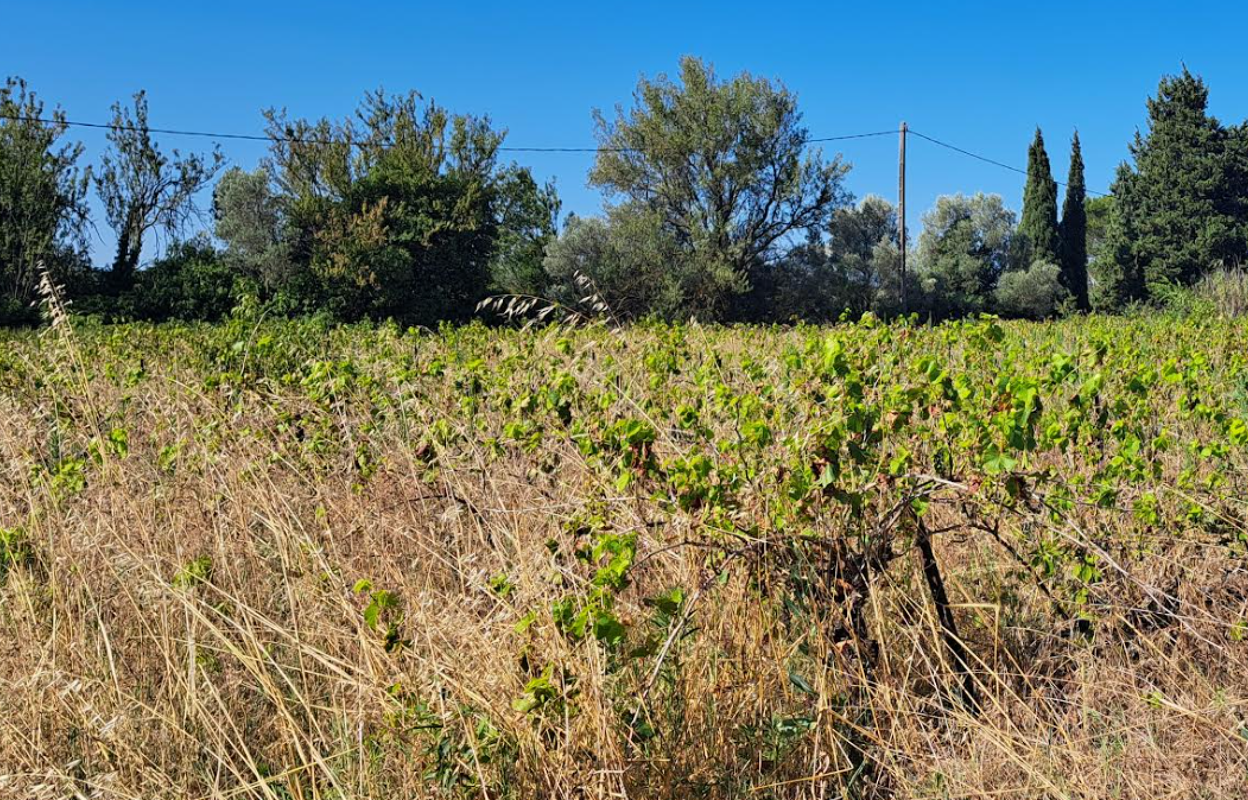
978 75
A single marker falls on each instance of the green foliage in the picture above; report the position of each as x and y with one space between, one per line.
527 217
1226 291
250 221
632 265
454 744
383 613
1180 208
695 466
724 166
1074 230
1038 226
68 478
966 244
404 211
1033 293
195 572
1222 293
855 270
538 692
43 212
1096 213
143 189
16 551
717 208
192 281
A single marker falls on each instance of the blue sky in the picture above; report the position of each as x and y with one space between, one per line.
978 75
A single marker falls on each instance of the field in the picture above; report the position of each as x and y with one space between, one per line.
291 560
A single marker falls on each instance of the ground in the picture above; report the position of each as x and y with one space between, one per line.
291 560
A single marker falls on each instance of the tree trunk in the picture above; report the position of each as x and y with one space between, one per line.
126 262
944 613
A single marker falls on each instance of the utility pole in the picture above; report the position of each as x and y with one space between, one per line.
901 216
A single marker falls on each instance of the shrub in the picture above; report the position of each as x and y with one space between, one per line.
15 313
191 282
1034 293
634 265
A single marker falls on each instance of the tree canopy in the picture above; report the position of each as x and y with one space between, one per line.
1038 226
967 243
145 190
1181 206
717 204
43 210
1074 230
404 211
727 167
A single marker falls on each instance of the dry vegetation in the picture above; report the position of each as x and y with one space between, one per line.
283 560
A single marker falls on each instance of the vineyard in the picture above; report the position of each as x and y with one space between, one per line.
296 560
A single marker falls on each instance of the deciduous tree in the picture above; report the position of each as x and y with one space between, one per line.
824 279
527 214
631 260
251 222
404 210
965 246
43 209
145 190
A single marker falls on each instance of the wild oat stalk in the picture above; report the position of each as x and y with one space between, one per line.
56 312
518 306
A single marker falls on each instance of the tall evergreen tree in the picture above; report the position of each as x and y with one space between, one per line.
1074 230
1117 275
1181 210
1038 225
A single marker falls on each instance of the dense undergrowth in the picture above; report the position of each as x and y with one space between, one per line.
289 560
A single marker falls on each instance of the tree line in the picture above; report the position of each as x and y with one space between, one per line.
716 205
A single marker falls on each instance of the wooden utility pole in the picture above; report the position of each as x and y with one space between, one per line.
901 216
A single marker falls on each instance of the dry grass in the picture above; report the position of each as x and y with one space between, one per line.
1226 291
187 623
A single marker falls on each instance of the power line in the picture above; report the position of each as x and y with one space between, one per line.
252 137
852 136
168 131
987 160
635 150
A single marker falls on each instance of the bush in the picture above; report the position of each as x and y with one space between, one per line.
1034 293
191 282
15 313
634 266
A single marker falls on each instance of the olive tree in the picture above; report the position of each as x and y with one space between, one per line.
251 223
632 265
966 245
727 168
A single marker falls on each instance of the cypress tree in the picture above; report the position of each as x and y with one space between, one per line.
1039 223
1074 230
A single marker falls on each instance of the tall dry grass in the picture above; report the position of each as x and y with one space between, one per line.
182 613
1226 290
